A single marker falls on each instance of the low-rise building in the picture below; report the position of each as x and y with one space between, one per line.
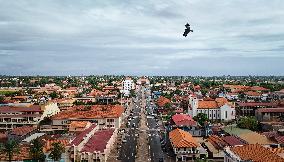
249 108
93 144
218 109
78 126
105 116
184 145
21 133
186 123
13 116
270 114
250 152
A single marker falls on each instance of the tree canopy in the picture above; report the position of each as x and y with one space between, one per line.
201 118
56 151
248 123
10 148
36 150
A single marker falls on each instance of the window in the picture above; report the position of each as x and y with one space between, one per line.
226 114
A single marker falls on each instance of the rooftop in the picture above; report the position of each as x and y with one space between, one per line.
270 110
22 131
78 139
256 152
255 104
162 101
180 138
91 112
98 141
10 109
78 124
183 119
212 104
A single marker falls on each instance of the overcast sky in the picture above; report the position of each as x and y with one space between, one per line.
141 37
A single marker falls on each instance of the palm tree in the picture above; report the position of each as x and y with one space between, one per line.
56 151
10 148
36 150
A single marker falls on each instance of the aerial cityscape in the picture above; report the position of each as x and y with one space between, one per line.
142 81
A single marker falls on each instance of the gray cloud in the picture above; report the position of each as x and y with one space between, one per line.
143 38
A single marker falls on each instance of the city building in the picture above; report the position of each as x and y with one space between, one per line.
218 109
250 152
184 145
93 144
270 114
20 133
249 108
186 123
127 86
13 116
105 116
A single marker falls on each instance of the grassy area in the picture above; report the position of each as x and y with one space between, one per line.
235 130
7 92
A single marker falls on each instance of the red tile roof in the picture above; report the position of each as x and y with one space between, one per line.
162 101
232 140
212 104
258 88
207 105
49 142
280 139
217 142
78 124
257 153
183 120
22 155
22 131
9 109
182 139
255 104
93 112
78 139
269 110
252 93
236 86
98 141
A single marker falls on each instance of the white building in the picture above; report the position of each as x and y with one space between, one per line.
218 109
127 86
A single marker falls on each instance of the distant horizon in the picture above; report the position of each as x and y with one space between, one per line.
142 38
144 75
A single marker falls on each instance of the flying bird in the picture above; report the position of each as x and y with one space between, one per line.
187 30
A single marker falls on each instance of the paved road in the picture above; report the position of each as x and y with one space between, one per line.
156 152
128 148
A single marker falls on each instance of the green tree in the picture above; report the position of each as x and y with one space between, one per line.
53 95
56 151
10 148
201 118
36 150
168 105
2 99
248 123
